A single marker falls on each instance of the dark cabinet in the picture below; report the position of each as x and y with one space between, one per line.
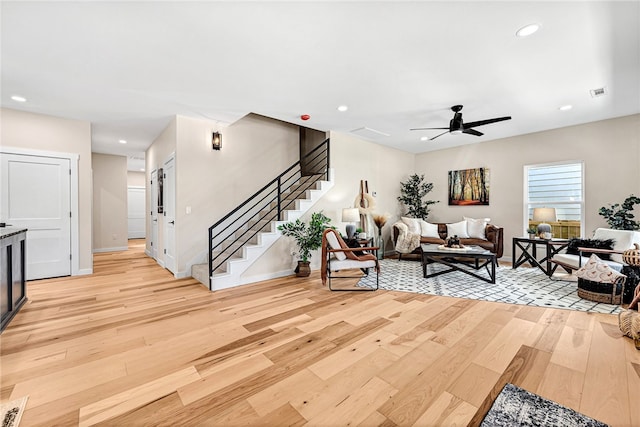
12 273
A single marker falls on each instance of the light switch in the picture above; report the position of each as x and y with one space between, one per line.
188 210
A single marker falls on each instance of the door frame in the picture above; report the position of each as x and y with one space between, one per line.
74 197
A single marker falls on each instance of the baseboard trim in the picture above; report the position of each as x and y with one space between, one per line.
84 272
116 249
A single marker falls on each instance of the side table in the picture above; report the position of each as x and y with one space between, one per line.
529 252
633 278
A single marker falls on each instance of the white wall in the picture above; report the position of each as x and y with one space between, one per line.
135 179
109 203
610 150
47 133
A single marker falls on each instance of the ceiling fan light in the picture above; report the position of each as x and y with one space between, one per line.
527 30
456 131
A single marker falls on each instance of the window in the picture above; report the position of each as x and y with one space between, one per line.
559 186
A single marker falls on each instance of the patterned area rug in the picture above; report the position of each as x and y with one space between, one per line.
11 412
517 407
524 286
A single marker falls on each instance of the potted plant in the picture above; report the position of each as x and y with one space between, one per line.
308 237
532 231
620 217
412 195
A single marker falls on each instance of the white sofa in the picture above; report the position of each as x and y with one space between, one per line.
623 240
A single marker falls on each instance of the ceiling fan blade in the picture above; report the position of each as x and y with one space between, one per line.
485 122
431 139
472 132
426 128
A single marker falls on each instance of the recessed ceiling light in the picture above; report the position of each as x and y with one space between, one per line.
19 98
527 30
424 138
566 107
343 108
122 141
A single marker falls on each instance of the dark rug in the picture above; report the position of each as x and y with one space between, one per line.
517 407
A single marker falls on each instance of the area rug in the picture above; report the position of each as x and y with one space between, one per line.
11 412
517 407
524 286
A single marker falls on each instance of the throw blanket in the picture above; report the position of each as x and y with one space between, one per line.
407 241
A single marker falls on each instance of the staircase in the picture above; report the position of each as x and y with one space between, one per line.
247 232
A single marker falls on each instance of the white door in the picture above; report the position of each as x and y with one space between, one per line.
35 194
136 211
169 206
153 214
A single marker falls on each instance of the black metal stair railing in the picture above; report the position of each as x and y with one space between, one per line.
242 224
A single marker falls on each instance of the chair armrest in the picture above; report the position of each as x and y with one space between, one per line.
600 251
367 248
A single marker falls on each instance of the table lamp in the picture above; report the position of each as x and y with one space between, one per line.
350 215
544 215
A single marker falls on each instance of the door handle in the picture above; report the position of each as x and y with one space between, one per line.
172 222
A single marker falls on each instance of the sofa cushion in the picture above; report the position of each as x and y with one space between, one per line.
428 230
413 224
476 227
458 229
597 270
575 243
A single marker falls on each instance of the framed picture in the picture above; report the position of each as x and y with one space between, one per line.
160 192
469 187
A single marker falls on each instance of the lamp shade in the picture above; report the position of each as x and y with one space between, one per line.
350 215
544 214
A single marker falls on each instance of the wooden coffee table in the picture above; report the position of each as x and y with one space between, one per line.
468 261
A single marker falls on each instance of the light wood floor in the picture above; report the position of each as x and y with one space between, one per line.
130 345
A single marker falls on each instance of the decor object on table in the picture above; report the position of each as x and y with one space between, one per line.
620 216
532 232
308 237
412 194
350 215
469 187
515 406
339 258
380 220
544 215
453 242
632 256
599 282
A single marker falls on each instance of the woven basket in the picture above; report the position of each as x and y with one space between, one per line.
609 293
629 322
632 256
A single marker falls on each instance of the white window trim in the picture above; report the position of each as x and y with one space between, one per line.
525 201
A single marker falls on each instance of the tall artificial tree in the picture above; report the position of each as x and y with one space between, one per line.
412 194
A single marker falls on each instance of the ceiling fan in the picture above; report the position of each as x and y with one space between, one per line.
456 125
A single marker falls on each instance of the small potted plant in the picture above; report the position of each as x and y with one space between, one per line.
308 237
532 231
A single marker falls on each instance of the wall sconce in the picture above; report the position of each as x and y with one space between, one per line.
216 141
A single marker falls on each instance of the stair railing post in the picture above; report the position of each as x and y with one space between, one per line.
279 198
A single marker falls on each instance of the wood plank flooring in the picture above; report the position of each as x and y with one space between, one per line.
131 346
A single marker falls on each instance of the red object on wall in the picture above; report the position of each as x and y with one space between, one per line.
305 117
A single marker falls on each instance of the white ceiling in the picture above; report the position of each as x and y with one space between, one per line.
128 67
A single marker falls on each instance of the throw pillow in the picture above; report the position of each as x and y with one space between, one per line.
576 243
476 227
429 230
458 229
599 271
413 224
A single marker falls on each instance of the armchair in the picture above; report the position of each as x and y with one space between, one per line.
623 240
338 257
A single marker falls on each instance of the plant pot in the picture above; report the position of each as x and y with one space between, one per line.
303 269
